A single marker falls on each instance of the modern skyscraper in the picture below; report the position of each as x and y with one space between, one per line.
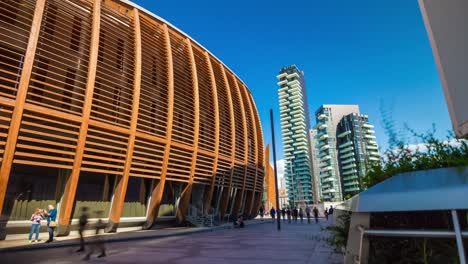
328 117
446 26
357 149
294 127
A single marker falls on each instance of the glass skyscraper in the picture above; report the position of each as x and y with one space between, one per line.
328 117
295 124
357 149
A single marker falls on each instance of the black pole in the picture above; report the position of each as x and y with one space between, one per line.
276 171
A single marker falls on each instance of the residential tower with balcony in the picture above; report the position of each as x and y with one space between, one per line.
357 150
328 117
295 124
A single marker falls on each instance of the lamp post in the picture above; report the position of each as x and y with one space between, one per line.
274 165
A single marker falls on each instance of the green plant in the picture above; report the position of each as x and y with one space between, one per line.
430 153
339 232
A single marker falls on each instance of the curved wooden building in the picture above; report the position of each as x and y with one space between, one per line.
104 104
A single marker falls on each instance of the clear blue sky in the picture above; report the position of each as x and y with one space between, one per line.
371 53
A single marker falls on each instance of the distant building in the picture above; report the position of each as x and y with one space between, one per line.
357 149
446 23
294 127
328 117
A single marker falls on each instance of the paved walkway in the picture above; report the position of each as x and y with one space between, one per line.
257 243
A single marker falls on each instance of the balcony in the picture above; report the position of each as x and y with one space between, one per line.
293 75
282 82
321 117
352 165
346 150
324 147
282 75
372 147
344 134
368 126
322 126
326 157
372 142
374 159
349 172
369 136
324 136
349 143
348 161
350 154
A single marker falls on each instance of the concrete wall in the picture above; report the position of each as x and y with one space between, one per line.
446 24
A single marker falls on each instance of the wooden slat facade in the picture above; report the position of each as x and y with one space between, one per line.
103 87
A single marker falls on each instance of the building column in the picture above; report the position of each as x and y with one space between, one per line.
209 191
357 246
122 181
157 193
186 193
68 197
227 190
23 85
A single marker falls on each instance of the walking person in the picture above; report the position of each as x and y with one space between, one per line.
308 214
98 243
272 213
326 213
262 212
51 222
288 212
330 211
36 219
283 213
316 212
279 214
295 214
83 221
301 215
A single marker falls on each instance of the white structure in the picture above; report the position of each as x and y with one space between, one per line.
328 117
315 164
446 24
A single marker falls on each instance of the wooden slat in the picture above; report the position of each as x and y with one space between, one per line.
72 182
239 202
20 100
227 190
121 186
157 193
209 193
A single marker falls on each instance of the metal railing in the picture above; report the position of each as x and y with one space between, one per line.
458 234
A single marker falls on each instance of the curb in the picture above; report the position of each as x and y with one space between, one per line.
111 239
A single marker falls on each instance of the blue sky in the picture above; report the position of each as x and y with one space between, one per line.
372 53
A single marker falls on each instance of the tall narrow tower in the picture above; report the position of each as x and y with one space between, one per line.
295 124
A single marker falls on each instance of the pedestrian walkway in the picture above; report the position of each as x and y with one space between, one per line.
255 244
21 243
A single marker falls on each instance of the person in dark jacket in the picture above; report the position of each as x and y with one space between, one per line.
262 212
51 222
283 213
83 221
308 214
316 212
301 215
288 212
272 213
